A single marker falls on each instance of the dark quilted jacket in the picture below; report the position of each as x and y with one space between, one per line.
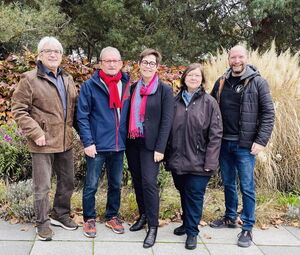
257 110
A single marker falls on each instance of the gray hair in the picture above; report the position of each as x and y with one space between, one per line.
109 48
50 41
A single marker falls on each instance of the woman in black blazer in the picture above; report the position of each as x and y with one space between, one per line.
150 120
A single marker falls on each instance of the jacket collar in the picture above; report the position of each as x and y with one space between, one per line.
251 71
96 79
42 70
197 94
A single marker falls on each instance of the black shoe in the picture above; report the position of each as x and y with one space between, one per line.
223 223
245 238
150 237
179 231
191 242
139 224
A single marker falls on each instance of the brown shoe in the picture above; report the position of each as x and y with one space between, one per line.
44 233
115 224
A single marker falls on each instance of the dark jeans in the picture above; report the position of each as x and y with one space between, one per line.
238 161
192 190
144 172
62 165
114 169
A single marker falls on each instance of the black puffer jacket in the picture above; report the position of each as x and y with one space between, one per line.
195 139
257 110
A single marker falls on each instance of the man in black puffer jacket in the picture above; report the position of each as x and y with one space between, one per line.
248 119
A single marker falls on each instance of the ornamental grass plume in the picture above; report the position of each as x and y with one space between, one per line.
278 166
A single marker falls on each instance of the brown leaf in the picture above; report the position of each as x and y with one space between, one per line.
24 229
296 224
207 236
264 227
239 221
202 223
78 220
162 223
14 220
277 222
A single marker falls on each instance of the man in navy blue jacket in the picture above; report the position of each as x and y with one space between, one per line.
102 120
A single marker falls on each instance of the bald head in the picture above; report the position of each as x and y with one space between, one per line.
238 48
238 59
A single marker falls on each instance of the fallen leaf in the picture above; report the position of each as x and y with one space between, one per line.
78 220
24 229
14 221
264 227
202 223
162 223
277 222
239 221
168 220
296 224
207 236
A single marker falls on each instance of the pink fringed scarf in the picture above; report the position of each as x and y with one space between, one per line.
138 106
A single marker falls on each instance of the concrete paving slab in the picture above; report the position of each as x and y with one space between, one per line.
178 249
74 235
106 234
13 231
62 248
274 236
229 249
294 231
279 250
124 248
15 247
224 235
165 234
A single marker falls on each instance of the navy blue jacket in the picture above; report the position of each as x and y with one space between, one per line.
98 124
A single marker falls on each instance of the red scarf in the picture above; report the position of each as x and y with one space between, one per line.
111 82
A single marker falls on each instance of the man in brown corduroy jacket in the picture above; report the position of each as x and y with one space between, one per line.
43 106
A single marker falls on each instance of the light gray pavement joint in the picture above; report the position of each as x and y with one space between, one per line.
14 241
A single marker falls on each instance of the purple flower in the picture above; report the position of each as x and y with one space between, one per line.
7 138
22 133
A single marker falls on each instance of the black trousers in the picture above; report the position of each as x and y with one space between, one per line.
192 190
144 172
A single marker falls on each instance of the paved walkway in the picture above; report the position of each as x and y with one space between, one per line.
14 241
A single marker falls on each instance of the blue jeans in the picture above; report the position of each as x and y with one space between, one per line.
235 160
114 169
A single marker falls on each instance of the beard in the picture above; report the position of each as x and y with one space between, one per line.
238 71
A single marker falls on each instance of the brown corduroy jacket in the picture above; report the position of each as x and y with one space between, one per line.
37 109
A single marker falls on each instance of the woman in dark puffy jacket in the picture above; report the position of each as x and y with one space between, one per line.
193 148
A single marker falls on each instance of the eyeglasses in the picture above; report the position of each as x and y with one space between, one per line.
194 75
110 61
48 51
146 63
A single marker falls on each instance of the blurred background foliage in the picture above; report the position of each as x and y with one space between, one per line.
184 31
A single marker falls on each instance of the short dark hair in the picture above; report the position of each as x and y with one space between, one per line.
190 68
148 52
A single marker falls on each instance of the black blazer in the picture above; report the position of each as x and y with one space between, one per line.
158 117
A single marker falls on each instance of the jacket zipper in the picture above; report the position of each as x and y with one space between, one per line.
117 128
65 119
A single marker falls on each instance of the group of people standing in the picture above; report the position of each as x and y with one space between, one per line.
192 132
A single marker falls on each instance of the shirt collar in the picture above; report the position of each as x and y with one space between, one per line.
49 72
